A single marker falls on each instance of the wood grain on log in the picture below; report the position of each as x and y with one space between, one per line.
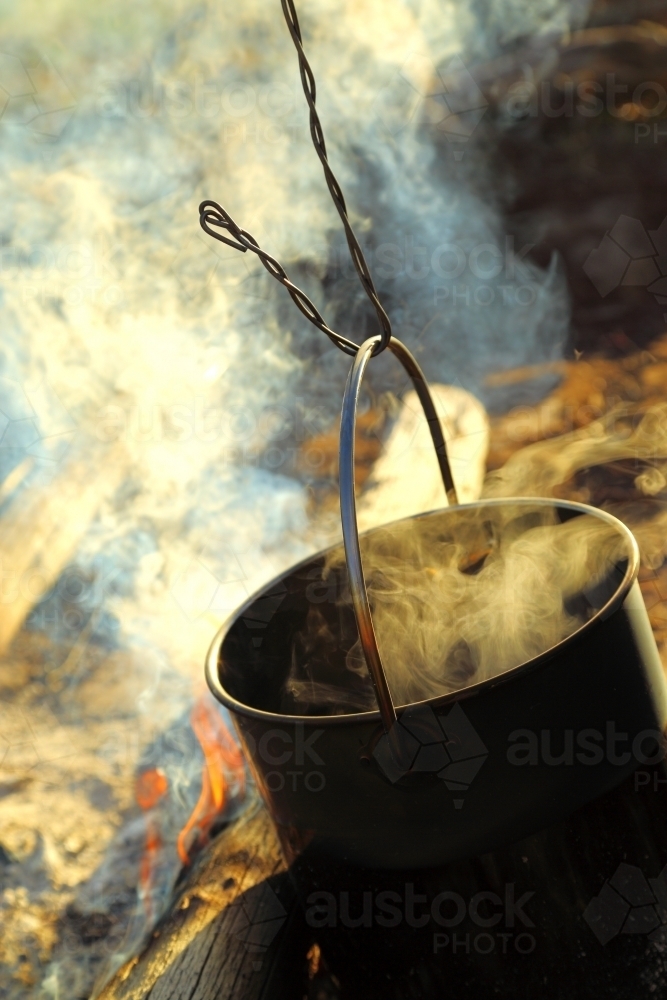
235 930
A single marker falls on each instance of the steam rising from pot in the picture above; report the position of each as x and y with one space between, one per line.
626 432
451 612
462 599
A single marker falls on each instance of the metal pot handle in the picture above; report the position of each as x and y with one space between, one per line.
348 505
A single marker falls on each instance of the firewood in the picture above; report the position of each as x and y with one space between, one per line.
400 476
590 388
405 479
44 525
319 454
234 931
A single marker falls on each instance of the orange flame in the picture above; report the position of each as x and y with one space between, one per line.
149 788
222 760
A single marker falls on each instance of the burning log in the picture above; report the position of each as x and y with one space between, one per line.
590 387
405 479
234 930
400 476
42 529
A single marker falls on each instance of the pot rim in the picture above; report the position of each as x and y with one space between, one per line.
472 690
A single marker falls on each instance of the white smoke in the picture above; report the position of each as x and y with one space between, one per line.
148 332
130 339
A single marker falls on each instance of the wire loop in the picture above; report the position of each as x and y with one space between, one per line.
211 214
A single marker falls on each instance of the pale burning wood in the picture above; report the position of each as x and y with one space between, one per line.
400 476
42 529
234 931
405 479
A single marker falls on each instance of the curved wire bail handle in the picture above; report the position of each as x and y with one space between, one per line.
348 504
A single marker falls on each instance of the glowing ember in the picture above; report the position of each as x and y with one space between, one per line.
150 786
223 771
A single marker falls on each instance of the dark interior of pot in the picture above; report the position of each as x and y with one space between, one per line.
458 596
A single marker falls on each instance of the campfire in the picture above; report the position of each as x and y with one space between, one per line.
153 478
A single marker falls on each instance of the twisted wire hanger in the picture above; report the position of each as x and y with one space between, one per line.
211 214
